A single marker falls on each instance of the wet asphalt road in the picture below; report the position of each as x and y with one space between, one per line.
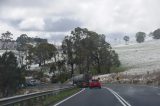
116 95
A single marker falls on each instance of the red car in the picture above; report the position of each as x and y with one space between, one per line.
94 84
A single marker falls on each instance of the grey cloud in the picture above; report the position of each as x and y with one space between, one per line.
103 16
56 38
62 25
24 3
14 23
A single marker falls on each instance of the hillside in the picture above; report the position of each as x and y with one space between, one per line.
140 58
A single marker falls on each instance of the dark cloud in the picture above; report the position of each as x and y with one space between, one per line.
14 23
62 25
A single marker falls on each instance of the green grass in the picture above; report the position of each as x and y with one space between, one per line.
112 70
50 101
118 69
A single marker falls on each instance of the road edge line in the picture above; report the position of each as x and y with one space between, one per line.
68 97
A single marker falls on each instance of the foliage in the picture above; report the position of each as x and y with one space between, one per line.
6 37
156 34
23 38
140 37
30 54
126 39
22 46
11 76
39 40
43 52
67 47
62 77
39 75
86 49
54 79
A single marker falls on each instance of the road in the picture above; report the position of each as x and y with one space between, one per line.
115 95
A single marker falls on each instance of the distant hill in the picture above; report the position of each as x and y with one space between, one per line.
140 58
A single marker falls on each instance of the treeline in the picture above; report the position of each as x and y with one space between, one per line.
7 42
34 50
140 36
87 52
31 39
82 51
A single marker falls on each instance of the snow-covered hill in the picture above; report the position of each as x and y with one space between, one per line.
140 58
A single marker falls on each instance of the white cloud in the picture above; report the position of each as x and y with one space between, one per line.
103 16
32 24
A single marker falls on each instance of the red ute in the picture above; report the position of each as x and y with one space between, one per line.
94 83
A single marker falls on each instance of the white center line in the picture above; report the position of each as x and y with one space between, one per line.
121 100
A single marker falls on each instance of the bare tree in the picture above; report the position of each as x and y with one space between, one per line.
6 38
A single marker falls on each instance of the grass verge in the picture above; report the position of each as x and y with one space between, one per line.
50 101
118 69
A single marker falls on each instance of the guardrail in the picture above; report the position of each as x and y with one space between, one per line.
29 99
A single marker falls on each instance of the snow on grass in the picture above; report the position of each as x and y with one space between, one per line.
3 51
140 58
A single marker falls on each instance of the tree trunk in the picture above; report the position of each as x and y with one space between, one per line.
88 64
99 67
109 68
72 71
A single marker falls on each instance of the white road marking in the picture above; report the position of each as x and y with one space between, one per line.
118 98
69 97
123 102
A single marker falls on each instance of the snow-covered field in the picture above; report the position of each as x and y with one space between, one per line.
140 58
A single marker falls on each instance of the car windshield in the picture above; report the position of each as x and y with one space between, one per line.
79 52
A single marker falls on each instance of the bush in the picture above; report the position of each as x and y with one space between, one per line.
54 79
11 76
156 34
63 77
140 37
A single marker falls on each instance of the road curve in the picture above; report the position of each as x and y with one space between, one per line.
138 95
115 95
93 97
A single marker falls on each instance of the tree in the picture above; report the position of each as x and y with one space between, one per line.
22 41
43 52
53 68
11 76
140 37
6 37
30 55
156 34
126 39
87 50
67 48
40 40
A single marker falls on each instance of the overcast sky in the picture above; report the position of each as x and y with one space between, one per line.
53 19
